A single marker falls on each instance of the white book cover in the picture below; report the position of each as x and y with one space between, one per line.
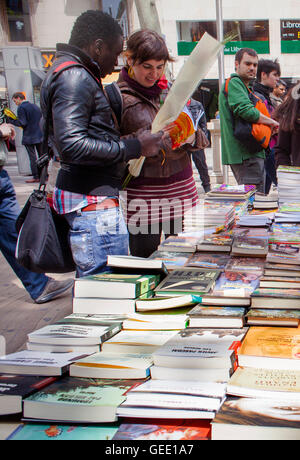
172 401
114 360
38 359
69 330
200 347
194 388
140 338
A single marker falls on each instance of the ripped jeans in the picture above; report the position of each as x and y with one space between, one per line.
95 235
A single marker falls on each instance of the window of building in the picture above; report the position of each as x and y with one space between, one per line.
251 33
18 19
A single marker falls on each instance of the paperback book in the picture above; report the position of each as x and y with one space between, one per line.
272 317
250 247
276 298
166 303
236 284
112 366
15 388
210 261
216 243
271 348
171 319
284 253
210 317
78 400
137 341
197 348
172 260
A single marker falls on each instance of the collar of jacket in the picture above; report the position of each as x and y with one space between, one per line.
63 49
262 89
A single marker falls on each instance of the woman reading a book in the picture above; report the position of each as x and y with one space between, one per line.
164 189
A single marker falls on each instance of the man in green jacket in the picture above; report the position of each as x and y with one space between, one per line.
247 168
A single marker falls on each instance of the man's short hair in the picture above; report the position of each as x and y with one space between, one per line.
281 83
93 25
240 54
19 96
267 66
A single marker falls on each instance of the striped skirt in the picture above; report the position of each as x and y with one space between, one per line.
148 201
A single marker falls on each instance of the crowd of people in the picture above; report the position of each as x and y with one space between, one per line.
95 144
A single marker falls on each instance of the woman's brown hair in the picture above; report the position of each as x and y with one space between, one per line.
288 113
146 45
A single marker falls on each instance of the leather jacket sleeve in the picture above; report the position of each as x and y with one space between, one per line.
80 117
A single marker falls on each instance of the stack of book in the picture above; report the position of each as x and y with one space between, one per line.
215 216
288 183
198 354
130 278
77 333
241 197
270 201
173 399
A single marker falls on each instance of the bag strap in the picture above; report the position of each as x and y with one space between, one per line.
116 101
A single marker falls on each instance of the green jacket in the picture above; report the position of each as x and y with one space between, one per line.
233 152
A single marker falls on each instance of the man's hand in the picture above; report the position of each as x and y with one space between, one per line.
151 143
7 131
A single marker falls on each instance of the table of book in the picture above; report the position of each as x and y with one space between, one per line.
200 341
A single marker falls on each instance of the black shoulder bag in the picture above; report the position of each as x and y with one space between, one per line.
43 245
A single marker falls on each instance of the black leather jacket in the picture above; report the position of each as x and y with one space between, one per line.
93 158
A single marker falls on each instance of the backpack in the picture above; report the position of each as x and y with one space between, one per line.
254 136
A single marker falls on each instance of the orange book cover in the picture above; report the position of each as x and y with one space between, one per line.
272 342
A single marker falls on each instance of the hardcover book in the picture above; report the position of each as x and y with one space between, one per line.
188 281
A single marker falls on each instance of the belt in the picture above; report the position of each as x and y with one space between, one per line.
106 204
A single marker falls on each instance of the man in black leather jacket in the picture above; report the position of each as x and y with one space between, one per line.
92 156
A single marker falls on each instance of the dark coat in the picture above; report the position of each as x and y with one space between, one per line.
84 134
29 117
287 149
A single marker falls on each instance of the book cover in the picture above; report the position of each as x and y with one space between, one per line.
245 264
73 399
14 388
265 383
188 280
211 261
43 432
74 334
256 419
172 260
284 253
179 244
200 311
121 285
264 316
271 346
183 430
110 365
236 284
198 348
137 341
37 363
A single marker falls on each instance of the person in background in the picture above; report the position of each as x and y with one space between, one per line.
198 156
92 156
40 287
248 168
165 187
278 93
287 151
268 75
29 117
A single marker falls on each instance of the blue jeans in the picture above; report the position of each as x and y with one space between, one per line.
95 235
34 283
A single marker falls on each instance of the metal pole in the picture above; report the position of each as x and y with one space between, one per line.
220 36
